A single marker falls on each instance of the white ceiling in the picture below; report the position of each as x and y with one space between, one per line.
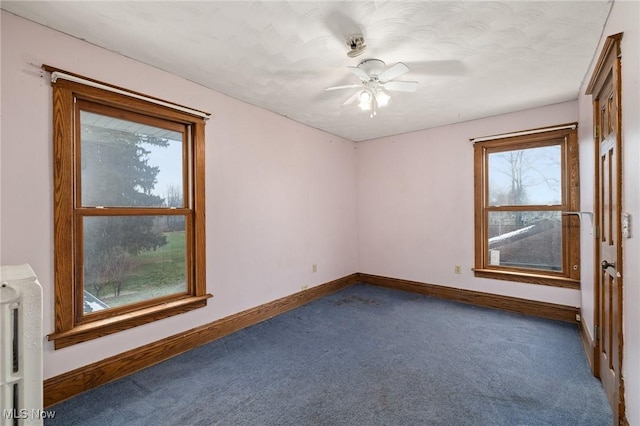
472 59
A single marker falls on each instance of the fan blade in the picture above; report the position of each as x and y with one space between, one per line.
401 86
348 86
439 67
351 99
359 73
342 26
393 71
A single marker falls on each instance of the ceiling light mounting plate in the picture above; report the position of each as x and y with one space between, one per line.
356 44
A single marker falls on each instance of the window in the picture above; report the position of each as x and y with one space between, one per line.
526 183
129 232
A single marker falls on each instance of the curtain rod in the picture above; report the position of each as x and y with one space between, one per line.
523 133
55 75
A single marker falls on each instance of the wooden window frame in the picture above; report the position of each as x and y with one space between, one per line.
72 326
566 137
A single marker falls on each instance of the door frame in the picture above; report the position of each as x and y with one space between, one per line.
608 62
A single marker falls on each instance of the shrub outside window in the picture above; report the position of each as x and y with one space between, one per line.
128 211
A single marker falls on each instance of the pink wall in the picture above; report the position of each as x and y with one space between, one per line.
625 18
415 204
280 195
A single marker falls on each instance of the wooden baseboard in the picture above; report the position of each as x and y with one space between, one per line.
589 346
505 303
71 383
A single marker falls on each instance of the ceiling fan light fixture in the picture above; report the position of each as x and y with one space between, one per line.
375 80
382 98
365 98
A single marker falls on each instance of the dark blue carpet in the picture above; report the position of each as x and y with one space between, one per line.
364 356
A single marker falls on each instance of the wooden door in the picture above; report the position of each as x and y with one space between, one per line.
610 280
608 318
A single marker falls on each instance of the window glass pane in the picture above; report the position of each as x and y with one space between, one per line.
129 259
129 164
531 239
526 177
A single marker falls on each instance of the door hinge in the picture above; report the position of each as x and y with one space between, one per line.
597 232
596 134
596 332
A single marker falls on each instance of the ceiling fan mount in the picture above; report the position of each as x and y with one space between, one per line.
357 46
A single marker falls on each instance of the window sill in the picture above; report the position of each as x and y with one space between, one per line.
523 277
104 327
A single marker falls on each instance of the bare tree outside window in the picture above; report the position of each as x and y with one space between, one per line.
173 198
525 177
520 217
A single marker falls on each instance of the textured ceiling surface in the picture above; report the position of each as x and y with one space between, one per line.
472 59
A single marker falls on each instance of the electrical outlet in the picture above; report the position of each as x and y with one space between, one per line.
314 268
457 269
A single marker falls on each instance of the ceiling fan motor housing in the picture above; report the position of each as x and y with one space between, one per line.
373 67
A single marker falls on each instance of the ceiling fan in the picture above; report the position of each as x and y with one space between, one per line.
375 79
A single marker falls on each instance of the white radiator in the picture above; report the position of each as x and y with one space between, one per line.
21 347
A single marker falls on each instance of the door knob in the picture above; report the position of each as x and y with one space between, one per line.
606 265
